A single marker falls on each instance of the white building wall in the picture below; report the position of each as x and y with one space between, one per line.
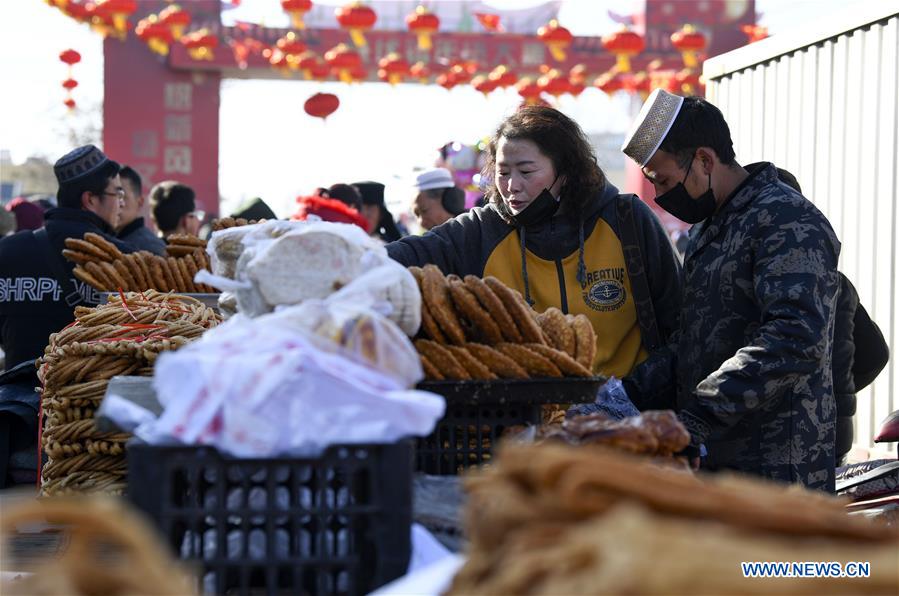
823 103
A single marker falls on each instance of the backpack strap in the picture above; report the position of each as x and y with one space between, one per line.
634 261
71 294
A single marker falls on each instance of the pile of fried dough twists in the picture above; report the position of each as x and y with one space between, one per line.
481 329
100 263
107 550
557 519
122 337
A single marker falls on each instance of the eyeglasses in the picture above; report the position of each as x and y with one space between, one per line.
199 214
120 194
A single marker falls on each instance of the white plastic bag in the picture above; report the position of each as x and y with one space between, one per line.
262 387
357 331
289 264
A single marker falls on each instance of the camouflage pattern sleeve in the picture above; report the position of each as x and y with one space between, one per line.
795 284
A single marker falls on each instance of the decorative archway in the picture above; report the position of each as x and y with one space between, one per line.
161 113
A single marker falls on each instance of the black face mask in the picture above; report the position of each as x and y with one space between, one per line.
681 205
540 209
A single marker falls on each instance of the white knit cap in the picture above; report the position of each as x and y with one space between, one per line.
434 178
652 124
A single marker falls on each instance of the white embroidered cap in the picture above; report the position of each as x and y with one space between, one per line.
652 124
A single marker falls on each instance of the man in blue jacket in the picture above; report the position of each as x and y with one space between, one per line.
750 375
38 292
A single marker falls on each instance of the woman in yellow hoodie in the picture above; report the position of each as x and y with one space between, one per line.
557 231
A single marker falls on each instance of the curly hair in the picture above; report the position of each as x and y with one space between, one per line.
560 139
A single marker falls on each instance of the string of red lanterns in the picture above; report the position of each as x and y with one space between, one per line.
70 58
290 53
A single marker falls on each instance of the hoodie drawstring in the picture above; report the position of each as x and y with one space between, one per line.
524 269
581 266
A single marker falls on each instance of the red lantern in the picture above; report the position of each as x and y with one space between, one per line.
576 89
578 74
529 90
640 83
291 45
611 82
556 37
395 68
356 18
117 11
447 80
343 60
577 80
503 76
423 23
689 81
483 84
321 105
70 57
100 20
69 103
76 10
624 43
277 59
296 9
665 79
69 84
420 71
754 32
320 71
306 61
156 35
176 19
358 74
463 70
200 44
554 83
689 42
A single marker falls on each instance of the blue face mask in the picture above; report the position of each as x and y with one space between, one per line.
681 205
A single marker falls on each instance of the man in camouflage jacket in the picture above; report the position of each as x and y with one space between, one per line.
750 374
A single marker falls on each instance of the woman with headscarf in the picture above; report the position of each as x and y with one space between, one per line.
559 232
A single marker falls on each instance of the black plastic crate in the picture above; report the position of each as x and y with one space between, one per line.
478 412
336 524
